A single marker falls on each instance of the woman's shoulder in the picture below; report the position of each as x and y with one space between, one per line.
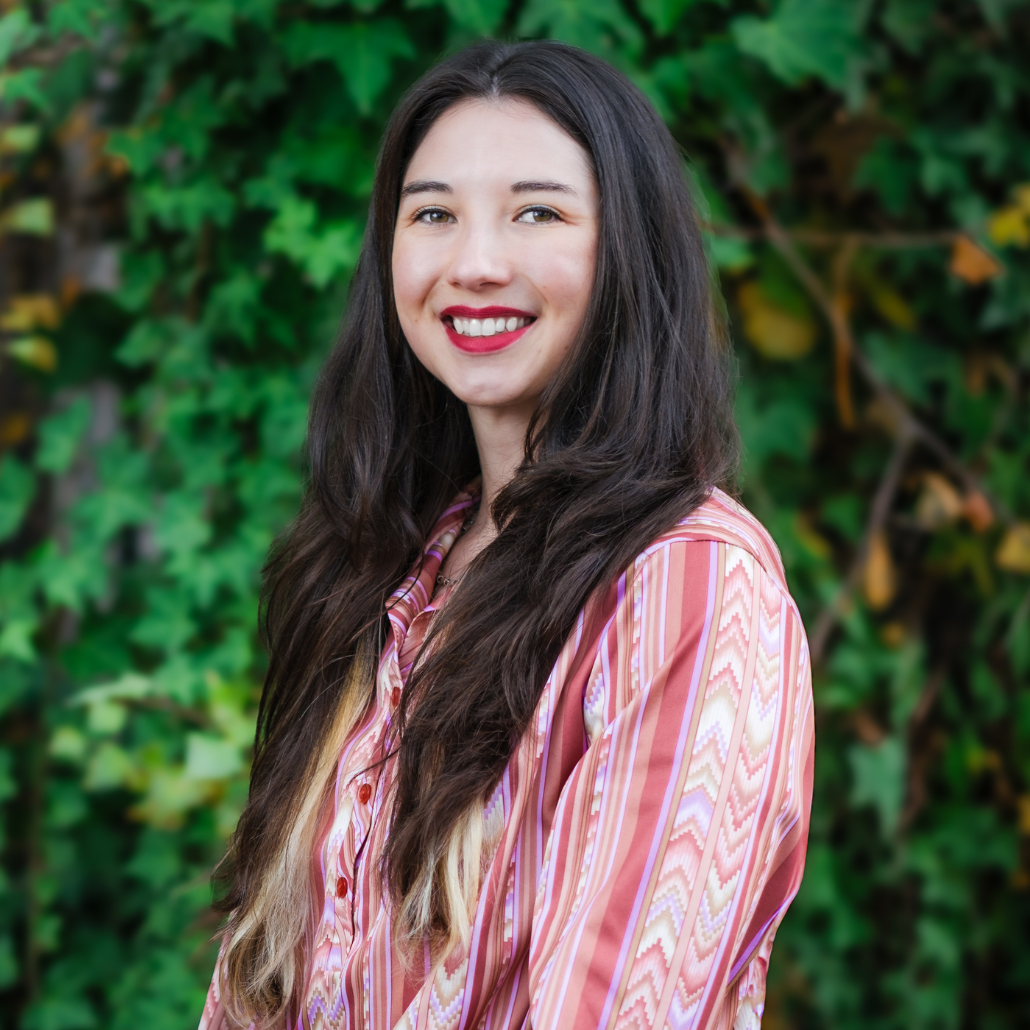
721 519
706 597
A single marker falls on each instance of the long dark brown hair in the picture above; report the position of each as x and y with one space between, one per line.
631 435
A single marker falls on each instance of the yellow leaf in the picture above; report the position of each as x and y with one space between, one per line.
879 579
1022 197
939 503
170 794
117 165
32 217
893 634
30 311
1008 227
18 139
813 542
14 428
775 333
972 263
36 351
71 287
977 511
980 760
893 307
1013 552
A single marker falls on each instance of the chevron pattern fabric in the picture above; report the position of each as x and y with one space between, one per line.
647 836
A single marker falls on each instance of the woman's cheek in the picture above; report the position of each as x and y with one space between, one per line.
405 287
568 276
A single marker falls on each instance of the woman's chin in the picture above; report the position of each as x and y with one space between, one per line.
494 395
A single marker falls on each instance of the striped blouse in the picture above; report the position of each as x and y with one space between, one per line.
647 835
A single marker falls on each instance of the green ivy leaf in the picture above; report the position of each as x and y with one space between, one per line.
59 436
212 18
322 254
182 526
803 38
8 961
79 17
362 52
786 427
16 640
910 22
211 758
601 26
663 14
17 488
234 306
148 341
167 624
481 17
187 207
878 779
70 578
16 33
24 85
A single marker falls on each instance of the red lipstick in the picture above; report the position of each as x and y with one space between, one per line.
484 344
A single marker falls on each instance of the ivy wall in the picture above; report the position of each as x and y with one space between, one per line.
183 186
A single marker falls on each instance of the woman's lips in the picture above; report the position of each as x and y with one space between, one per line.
484 330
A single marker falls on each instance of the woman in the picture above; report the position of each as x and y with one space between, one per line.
535 744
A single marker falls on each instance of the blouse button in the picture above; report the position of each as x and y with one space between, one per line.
395 697
364 793
341 887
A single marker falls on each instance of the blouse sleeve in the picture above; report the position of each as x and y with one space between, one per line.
679 839
214 1016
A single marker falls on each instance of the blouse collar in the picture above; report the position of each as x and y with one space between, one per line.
414 593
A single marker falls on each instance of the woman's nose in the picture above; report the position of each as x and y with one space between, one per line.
480 258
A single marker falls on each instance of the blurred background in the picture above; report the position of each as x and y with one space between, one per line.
183 188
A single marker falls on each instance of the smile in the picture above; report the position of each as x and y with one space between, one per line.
483 330
488 326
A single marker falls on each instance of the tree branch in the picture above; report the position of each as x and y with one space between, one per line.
843 341
908 429
878 513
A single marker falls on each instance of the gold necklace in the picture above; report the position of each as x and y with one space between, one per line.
449 581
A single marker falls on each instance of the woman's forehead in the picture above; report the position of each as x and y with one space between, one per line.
505 140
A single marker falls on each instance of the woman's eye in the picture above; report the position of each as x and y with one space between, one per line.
433 216
538 216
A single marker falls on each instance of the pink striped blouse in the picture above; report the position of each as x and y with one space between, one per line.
647 835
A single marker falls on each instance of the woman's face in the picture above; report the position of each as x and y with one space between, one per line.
494 251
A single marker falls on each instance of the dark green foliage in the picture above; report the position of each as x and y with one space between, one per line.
866 172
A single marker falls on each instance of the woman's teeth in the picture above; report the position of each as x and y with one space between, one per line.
488 326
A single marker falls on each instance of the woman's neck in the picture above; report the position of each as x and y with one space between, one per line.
501 440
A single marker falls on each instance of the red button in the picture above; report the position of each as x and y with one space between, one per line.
341 887
364 793
396 696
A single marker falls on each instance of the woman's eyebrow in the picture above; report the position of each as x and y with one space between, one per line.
425 186
545 186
